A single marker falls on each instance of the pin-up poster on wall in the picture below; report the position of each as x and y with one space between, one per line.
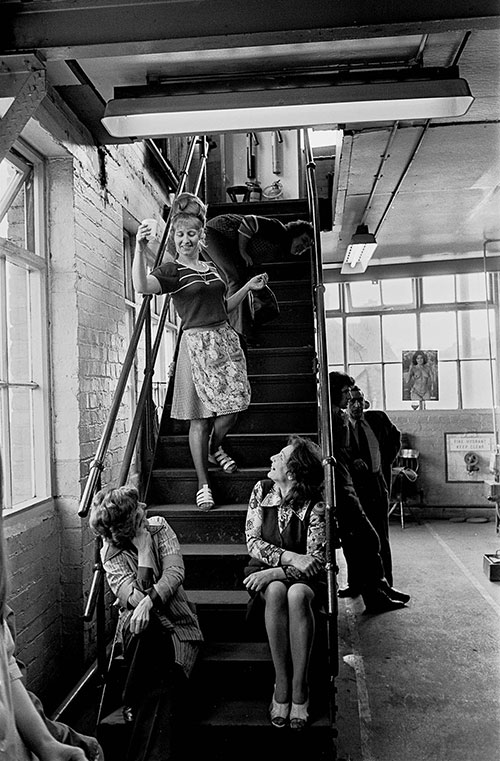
420 375
468 456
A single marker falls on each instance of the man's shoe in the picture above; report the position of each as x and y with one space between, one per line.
381 603
400 596
348 592
394 594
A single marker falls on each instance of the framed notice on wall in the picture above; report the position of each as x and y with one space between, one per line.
467 456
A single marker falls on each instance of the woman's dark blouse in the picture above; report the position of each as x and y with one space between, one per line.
199 299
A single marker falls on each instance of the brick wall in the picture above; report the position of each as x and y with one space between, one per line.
426 430
33 548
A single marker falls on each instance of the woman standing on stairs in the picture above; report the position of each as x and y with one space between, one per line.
211 383
285 532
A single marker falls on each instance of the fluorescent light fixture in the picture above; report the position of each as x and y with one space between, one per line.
144 112
359 251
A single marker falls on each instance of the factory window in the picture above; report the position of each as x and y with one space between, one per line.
24 394
371 324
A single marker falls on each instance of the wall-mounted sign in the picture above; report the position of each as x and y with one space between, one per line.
468 456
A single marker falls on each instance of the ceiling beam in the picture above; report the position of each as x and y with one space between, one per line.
95 28
26 102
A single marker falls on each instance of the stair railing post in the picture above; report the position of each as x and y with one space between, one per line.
324 422
147 383
143 397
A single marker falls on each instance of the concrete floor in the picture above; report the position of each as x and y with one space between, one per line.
423 683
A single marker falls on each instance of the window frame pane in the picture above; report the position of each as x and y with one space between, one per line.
420 312
37 371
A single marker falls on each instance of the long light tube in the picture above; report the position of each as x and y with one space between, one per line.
306 106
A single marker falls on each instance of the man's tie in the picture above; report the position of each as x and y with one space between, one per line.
368 445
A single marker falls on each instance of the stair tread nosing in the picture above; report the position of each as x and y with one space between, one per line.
218 597
237 651
184 509
214 549
242 436
280 350
226 712
243 473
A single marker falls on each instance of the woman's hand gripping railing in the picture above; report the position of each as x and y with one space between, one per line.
324 427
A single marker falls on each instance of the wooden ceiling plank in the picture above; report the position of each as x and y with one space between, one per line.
94 28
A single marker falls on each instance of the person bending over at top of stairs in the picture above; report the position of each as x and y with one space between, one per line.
157 628
285 533
359 540
238 244
211 383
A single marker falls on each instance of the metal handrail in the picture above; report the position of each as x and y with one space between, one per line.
97 464
324 412
95 602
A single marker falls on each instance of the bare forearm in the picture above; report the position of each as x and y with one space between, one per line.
236 299
33 731
143 283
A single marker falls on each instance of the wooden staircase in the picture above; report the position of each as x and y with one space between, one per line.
234 679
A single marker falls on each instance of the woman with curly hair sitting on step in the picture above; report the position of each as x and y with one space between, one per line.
157 628
211 384
285 533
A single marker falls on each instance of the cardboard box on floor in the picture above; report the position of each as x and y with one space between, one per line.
491 567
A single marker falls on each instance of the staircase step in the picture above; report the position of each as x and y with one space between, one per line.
275 417
218 598
222 614
214 566
292 290
249 713
283 388
181 485
223 524
237 652
278 417
285 359
282 209
274 335
229 724
249 450
295 315
298 269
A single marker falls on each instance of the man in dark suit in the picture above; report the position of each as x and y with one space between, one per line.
359 540
374 443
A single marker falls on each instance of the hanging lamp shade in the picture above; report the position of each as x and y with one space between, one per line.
359 251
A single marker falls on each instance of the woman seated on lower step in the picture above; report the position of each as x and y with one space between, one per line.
157 628
285 532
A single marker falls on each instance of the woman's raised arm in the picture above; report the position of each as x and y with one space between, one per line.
143 283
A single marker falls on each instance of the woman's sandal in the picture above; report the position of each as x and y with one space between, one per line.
204 499
278 713
299 716
219 457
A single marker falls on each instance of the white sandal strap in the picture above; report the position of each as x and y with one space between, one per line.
225 461
204 497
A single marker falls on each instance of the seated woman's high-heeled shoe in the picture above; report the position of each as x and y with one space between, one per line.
278 713
299 715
